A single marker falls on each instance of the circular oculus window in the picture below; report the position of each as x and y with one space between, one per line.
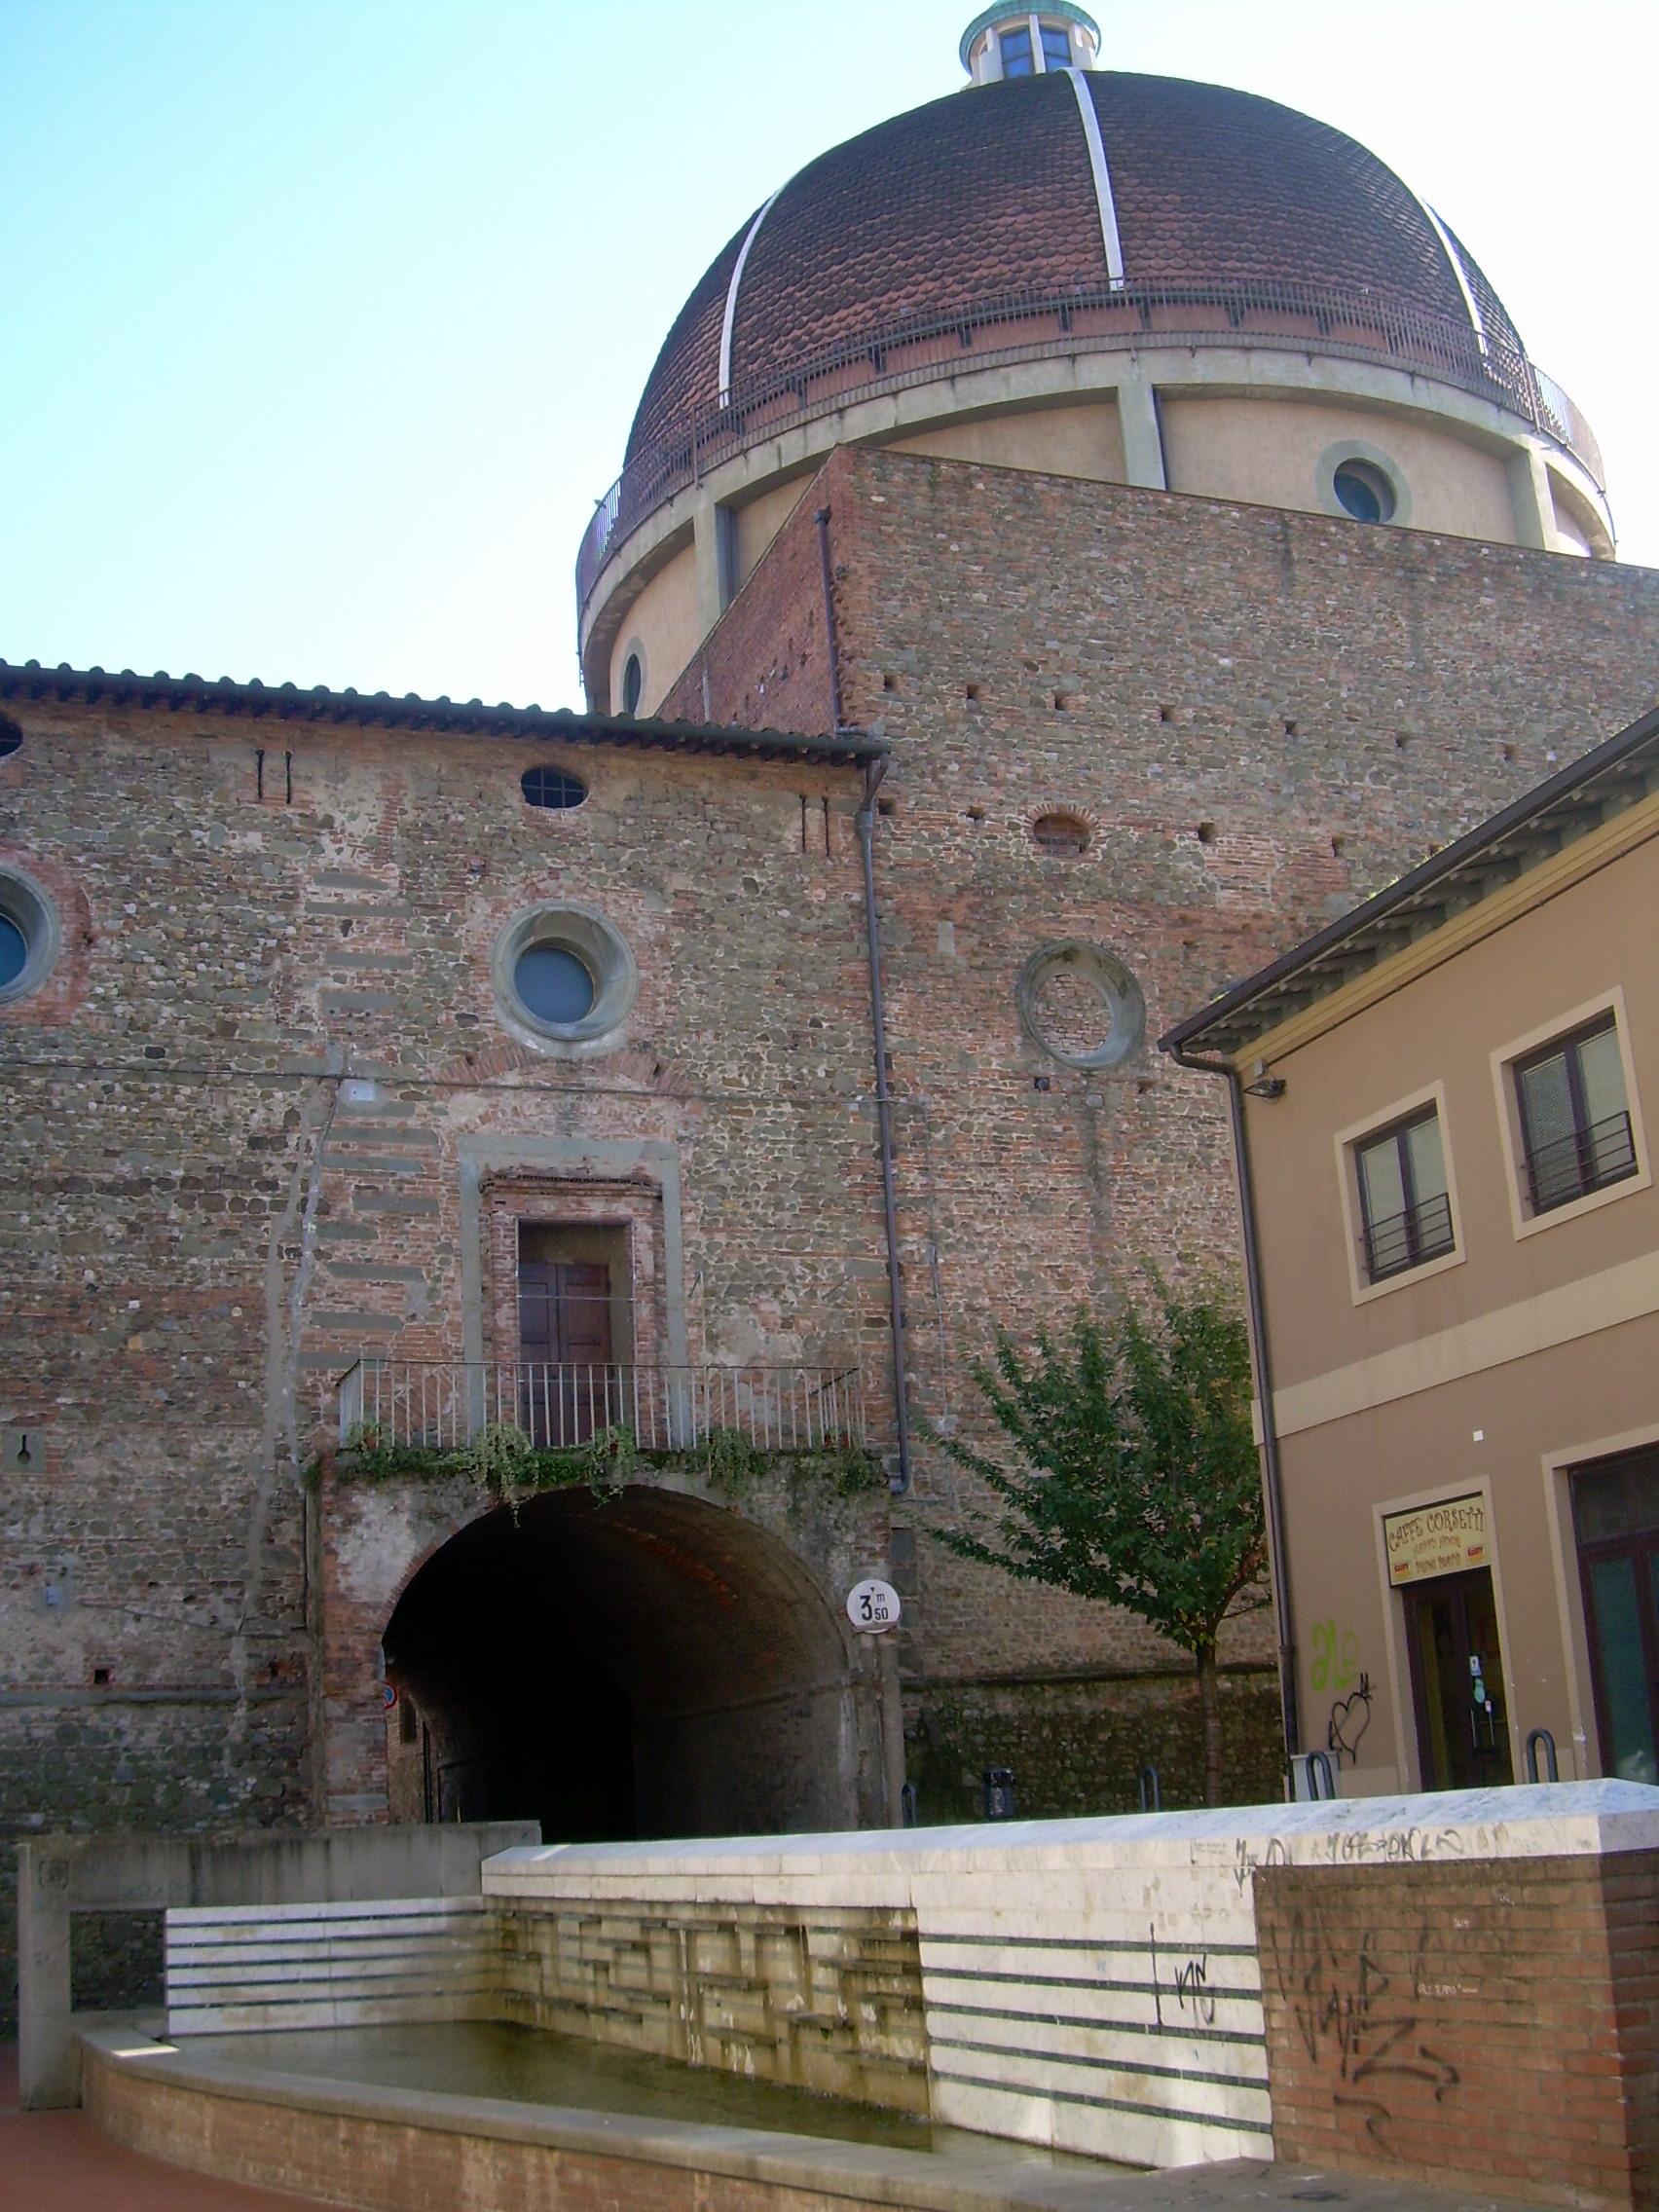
1081 1005
11 736
564 980
28 935
1365 492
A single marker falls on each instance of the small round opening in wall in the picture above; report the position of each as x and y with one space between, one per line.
565 979
14 951
555 984
1364 491
1081 1005
554 788
633 684
11 736
1063 835
28 935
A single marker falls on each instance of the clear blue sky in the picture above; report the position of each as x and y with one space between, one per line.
326 318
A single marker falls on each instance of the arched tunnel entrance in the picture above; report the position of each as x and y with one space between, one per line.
644 1664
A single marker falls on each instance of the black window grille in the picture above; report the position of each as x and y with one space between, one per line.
1405 1206
1575 1124
552 786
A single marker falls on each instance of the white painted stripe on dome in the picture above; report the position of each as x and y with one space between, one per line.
730 321
1103 180
1477 320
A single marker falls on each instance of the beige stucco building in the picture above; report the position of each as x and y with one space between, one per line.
1443 1104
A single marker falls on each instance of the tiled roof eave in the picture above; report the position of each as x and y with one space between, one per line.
349 709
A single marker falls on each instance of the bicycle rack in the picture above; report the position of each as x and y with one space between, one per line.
1538 1737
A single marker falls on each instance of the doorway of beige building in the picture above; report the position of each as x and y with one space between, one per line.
1615 1514
1457 1691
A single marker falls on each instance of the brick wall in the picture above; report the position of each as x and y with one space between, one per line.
1490 2025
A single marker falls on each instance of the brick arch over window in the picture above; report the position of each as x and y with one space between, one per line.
645 1664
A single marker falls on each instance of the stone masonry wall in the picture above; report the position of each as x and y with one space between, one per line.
822 1997
1260 718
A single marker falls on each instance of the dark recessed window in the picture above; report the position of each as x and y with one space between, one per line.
1016 58
1575 1116
11 736
1405 1206
1364 491
551 787
554 983
633 684
14 951
1063 835
1056 48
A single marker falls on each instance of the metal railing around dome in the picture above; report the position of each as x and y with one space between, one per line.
1354 323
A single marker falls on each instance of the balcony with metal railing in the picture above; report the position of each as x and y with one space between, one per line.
1028 326
1583 1160
1406 1240
443 1405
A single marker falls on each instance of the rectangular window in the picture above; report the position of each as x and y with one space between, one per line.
1016 58
1056 48
1575 1129
1404 1202
1615 1514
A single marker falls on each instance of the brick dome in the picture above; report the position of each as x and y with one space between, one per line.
989 193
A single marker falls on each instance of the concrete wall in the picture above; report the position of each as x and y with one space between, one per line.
1065 441
663 626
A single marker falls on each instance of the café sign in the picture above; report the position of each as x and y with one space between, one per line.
1436 1539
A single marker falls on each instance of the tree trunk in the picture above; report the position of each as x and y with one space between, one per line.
1209 1711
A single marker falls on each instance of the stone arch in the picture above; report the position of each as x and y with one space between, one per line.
647 1663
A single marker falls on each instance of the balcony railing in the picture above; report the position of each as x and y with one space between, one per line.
441 1406
1584 1160
1401 1240
1013 326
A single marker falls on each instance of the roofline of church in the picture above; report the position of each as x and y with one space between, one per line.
287 703
1577 798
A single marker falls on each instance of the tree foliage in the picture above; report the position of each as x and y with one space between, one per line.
1133 1476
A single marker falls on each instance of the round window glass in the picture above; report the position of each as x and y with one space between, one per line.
1365 492
633 684
14 951
554 983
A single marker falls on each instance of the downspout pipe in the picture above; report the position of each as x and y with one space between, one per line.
1272 1471
864 822
832 643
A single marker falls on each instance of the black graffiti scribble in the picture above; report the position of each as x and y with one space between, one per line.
1190 1986
1344 2006
1351 1717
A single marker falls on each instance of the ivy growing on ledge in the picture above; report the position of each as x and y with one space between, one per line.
513 1468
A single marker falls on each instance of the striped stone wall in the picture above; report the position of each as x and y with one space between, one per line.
331 1966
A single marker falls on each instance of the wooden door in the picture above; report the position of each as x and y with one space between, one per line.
567 1386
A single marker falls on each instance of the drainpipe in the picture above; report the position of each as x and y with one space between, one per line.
865 825
1274 1485
864 822
822 519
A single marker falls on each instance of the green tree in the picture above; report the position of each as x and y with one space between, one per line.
1133 1478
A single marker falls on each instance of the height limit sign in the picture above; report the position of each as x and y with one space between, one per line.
872 1607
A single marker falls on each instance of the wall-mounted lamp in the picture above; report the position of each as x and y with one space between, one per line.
1262 1085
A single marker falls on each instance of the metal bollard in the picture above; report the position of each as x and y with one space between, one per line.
997 1791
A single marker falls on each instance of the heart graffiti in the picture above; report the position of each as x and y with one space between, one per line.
1351 1718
